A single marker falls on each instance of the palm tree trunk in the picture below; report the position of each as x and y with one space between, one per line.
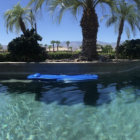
53 47
35 27
89 24
119 36
57 47
22 25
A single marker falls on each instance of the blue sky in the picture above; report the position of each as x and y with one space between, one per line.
68 29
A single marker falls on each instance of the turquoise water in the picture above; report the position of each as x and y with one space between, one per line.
107 109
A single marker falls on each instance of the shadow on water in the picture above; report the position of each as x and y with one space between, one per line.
88 93
49 92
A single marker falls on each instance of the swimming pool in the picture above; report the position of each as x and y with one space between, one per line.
106 109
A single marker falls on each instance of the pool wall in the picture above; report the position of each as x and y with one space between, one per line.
21 68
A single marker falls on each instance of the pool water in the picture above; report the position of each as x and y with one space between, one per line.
106 109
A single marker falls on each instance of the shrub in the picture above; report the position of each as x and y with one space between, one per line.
107 49
63 55
26 47
130 49
4 57
110 55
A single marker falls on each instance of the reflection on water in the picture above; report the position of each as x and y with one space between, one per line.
107 109
88 93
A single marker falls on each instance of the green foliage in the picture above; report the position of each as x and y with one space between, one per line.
17 18
68 43
57 42
107 49
1 47
126 12
5 57
111 55
63 55
49 47
74 6
32 19
130 49
53 42
99 46
59 7
80 47
70 48
26 47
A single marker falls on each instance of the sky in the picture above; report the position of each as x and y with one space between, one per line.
68 30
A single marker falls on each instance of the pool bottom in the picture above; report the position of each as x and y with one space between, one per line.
24 118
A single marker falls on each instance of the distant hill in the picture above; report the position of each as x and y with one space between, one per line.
76 44
113 44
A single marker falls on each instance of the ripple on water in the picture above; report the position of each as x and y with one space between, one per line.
24 118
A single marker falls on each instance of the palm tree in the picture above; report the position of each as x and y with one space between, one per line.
33 20
137 3
49 47
124 14
17 18
70 48
58 43
89 21
53 43
68 44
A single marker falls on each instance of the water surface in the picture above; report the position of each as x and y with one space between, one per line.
106 109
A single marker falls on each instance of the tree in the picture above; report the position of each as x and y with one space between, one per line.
1 47
89 20
26 47
124 14
70 48
41 45
53 43
33 20
17 18
99 47
49 47
130 49
58 43
68 44
107 49
80 47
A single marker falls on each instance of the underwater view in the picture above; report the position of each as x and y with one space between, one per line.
104 109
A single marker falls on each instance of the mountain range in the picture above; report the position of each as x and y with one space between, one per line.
76 44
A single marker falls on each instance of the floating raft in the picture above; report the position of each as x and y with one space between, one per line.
64 78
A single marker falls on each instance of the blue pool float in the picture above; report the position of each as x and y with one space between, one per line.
83 77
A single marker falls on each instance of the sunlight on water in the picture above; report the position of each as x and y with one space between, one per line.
23 118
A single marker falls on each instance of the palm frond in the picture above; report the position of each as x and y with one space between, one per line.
37 4
127 30
13 15
111 20
129 13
